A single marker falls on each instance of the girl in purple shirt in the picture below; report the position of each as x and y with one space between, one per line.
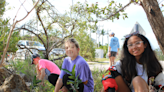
82 69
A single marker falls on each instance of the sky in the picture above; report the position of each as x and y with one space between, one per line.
120 27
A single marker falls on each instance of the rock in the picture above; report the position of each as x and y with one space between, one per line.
14 83
3 74
28 84
24 76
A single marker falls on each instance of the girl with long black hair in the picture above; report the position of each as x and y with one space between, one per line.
137 66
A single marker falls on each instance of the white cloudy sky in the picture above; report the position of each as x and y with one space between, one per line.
120 27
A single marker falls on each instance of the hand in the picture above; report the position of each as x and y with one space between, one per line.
42 83
152 89
109 54
64 89
37 77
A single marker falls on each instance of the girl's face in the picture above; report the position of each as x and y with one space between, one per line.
36 60
71 50
136 46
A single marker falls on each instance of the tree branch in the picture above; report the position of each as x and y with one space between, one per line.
59 58
11 30
62 41
34 34
25 47
111 14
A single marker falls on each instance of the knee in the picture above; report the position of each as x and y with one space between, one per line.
139 84
137 80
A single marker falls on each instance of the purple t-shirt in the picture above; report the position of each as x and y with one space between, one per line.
82 68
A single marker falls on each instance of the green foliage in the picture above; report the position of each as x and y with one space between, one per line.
35 82
25 67
75 81
4 35
105 48
48 87
97 77
87 45
2 6
93 10
159 54
21 66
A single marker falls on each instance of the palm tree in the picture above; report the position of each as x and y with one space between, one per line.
102 33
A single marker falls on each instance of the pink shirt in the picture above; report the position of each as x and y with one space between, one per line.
46 64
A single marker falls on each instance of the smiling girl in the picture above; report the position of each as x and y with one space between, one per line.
137 65
82 69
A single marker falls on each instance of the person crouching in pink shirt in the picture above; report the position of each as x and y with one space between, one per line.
45 67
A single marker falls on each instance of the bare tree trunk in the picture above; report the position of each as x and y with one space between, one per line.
155 19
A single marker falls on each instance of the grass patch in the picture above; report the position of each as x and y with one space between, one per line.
101 59
97 77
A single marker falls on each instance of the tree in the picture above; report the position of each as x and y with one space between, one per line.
11 31
2 7
4 27
55 28
87 45
3 38
92 13
155 18
159 54
102 33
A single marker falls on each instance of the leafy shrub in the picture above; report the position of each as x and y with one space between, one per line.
25 67
87 45
97 76
159 54
105 49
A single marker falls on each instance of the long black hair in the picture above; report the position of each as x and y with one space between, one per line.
148 60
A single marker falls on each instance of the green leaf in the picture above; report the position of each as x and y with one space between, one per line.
71 77
67 71
70 82
111 3
73 70
38 81
34 80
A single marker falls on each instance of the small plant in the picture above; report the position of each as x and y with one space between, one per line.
35 82
75 81
97 77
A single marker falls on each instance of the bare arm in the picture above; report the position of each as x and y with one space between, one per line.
109 48
41 77
118 51
37 71
58 85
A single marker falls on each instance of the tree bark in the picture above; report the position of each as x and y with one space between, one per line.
156 20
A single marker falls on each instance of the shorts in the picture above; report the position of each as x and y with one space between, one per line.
113 54
52 78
